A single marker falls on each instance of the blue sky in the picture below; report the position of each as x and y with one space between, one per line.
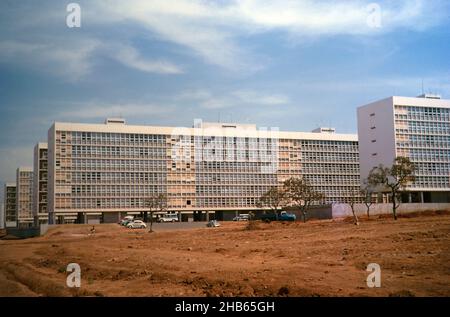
295 65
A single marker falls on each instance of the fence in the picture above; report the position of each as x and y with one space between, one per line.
344 210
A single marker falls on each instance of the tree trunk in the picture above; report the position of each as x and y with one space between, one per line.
368 209
355 217
394 207
304 216
145 217
151 222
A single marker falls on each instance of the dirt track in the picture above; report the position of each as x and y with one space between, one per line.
326 258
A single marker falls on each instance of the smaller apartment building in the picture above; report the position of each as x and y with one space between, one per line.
10 205
40 179
417 128
24 181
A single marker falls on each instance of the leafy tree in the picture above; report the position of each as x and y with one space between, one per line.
301 194
274 198
156 203
394 179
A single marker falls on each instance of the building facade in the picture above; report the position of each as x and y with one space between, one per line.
417 128
10 205
40 179
24 181
112 168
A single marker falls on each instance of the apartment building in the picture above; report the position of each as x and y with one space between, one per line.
99 170
24 181
417 128
40 179
10 205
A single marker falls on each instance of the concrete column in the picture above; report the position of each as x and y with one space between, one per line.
207 216
409 197
179 216
421 197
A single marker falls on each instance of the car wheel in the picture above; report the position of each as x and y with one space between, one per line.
173 220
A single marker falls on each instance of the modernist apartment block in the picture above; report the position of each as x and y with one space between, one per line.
40 179
24 181
103 170
10 205
417 128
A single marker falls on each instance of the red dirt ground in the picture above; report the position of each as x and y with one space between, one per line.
319 258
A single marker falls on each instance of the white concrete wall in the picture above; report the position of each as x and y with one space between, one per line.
380 115
51 175
344 210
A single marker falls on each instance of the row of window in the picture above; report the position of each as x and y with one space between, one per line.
119 164
421 130
431 182
330 157
119 177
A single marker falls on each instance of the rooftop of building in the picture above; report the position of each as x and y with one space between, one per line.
25 169
201 128
424 100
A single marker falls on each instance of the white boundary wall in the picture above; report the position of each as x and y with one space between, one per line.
344 210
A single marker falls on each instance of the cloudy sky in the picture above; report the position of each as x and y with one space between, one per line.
291 64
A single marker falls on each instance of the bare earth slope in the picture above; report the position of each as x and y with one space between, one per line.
325 258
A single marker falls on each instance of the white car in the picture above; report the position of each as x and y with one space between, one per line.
213 223
168 218
137 224
243 217
126 220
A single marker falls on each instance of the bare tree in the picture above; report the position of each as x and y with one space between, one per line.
353 196
394 179
156 203
301 194
274 198
366 194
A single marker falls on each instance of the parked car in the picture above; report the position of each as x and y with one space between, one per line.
125 220
168 218
137 224
283 216
213 223
243 217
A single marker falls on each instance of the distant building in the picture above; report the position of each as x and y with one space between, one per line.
417 128
40 179
24 183
105 170
10 205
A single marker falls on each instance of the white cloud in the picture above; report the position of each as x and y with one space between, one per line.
73 59
216 31
130 57
69 60
98 110
250 96
212 29
219 100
